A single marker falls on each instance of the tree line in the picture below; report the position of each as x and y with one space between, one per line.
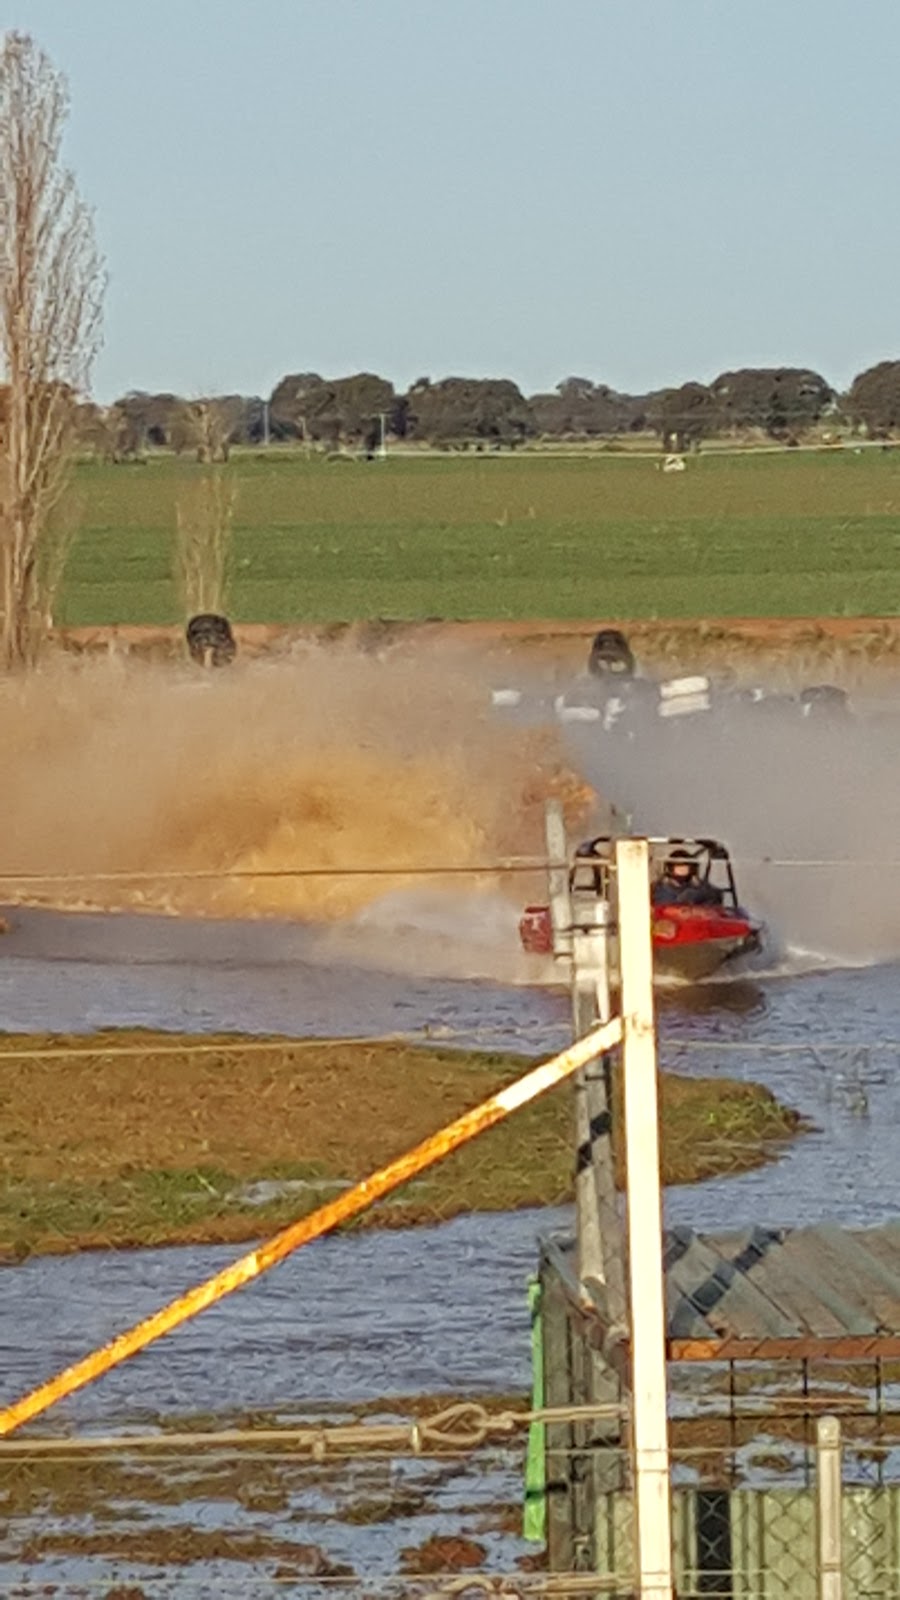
782 404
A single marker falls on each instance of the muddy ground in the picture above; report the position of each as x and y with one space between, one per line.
142 1139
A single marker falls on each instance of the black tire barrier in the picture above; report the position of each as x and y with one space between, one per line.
611 653
210 640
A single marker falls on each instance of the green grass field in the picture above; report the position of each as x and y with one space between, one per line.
510 537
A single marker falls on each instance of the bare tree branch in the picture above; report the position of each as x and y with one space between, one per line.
211 425
204 517
51 294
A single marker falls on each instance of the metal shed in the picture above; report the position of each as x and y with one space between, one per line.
784 1297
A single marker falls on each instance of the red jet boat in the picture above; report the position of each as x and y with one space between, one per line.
691 940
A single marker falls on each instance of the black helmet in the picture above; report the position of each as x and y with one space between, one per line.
682 865
210 639
824 699
611 653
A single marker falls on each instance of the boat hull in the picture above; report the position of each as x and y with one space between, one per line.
689 942
691 962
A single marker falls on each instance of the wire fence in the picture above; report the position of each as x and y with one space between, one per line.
143 1510
504 866
760 1519
324 1478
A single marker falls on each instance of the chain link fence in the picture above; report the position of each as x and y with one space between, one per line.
258 1517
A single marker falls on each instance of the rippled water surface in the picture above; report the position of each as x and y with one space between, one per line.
448 1303
430 1310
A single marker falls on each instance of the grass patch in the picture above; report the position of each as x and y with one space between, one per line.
804 535
161 1145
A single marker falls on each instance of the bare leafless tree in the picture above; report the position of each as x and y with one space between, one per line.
204 519
212 423
51 294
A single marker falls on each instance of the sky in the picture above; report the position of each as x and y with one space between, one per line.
634 191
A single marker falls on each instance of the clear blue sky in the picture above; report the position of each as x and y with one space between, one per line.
639 192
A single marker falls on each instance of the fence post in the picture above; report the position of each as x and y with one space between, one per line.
653 1516
828 1507
598 1246
558 877
558 1436
581 931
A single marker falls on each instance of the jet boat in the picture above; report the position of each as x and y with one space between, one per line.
692 937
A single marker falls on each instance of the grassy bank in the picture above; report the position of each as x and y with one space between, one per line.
511 537
133 1139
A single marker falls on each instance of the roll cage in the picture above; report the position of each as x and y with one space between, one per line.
592 866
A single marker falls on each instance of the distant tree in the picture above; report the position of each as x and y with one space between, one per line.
873 402
162 417
140 421
181 432
295 402
51 294
211 426
781 401
398 424
332 410
643 408
500 412
250 426
359 402
463 410
685 417
92 430
581 408
131 419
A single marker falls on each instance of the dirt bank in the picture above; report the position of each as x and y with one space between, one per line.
845 646
143 1139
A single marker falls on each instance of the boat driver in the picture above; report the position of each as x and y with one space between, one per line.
680 883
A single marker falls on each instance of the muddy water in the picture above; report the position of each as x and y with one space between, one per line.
827 1042
78 972
390 1314
397 1313
442 1308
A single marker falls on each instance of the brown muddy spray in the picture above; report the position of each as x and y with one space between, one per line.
333 760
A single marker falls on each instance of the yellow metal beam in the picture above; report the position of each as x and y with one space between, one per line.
350 1204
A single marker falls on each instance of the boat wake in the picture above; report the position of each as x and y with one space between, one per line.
794 961
472 936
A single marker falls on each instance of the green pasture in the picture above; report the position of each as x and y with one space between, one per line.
504 537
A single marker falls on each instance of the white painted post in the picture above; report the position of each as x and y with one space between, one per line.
600 1258
652 1499
558 875
594 961
590 987
589 1217
828 1507
573 918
